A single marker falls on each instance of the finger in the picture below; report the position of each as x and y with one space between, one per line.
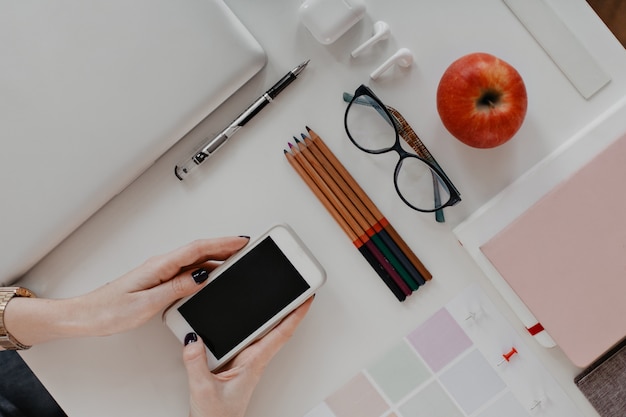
182 285
270 344
162 268
210 265
200 251
194 357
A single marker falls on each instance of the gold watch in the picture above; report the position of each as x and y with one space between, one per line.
7 341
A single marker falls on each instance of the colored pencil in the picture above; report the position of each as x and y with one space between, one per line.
370 253
381 222
351 220
372 227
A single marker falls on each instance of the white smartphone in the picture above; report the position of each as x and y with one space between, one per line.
249 294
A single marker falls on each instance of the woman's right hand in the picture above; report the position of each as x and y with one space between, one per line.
227 393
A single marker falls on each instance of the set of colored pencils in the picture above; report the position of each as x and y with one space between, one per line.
360 219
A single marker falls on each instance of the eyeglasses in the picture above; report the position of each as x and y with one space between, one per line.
376 128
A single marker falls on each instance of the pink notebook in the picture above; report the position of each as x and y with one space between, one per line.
565 257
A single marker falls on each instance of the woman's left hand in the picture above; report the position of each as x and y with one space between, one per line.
137 296
124 303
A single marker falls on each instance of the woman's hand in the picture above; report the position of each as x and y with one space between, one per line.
227 393
125 303
137 296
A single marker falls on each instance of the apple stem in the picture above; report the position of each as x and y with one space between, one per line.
489 98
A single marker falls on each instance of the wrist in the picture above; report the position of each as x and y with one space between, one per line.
35 320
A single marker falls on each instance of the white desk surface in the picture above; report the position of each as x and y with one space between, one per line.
249 185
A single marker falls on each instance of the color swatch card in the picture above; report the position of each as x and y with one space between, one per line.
463 361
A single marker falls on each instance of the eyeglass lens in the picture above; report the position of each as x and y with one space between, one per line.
370 126
419 185
372 129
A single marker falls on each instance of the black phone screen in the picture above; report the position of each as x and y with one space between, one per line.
245 296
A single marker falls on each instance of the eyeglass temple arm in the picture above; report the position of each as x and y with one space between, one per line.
409 135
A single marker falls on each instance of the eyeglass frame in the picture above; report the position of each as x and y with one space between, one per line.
428 159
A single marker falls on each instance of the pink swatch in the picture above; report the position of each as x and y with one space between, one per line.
439 340
357 398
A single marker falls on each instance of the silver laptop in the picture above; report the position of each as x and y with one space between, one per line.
91 93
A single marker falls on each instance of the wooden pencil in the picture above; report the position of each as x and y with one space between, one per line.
345 213
372 226
384 223
370 254
339 189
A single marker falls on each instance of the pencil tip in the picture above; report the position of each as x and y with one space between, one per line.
297 140
290 145
303 135
285 151
308 129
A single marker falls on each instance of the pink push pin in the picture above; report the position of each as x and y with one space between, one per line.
507 356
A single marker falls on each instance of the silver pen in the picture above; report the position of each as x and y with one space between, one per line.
209 148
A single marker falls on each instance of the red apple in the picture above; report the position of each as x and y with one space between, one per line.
481 100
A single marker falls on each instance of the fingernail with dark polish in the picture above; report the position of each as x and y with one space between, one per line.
200 275
191 338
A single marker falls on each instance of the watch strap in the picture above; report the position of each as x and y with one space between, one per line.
7 341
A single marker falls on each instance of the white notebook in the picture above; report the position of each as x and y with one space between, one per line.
564 257
507 213
91 94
